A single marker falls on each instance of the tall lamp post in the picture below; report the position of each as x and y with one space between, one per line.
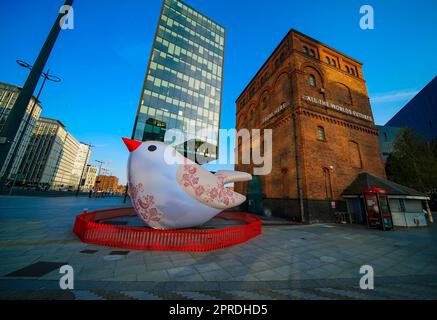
100 166
17 113
46 76
84 167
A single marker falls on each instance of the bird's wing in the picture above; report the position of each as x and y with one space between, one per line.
234 176
208 188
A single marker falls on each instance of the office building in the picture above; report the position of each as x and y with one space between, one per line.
79 167
43 154
54 159
387 138
183 85
90 178
420 114
8 96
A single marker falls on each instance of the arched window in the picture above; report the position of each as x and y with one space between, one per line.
342 93
321 134
312 53
327 183
352 72
328 61
305 50
355 155
313 82
277 63
347 69
334 63
282 89
264 103
251 118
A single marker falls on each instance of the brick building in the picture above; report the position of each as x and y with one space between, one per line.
106 184
315 100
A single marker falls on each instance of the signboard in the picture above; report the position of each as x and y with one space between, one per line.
283 106
337 107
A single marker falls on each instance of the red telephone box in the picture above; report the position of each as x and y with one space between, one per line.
377 209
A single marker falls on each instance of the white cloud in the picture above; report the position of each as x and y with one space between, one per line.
394 96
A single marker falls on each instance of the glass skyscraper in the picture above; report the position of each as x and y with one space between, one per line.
183 86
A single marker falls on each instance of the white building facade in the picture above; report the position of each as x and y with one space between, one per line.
8 95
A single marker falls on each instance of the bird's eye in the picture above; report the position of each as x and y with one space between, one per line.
152 148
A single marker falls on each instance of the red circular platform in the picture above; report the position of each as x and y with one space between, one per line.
89 229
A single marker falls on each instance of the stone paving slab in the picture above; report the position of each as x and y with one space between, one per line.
340 289
324 259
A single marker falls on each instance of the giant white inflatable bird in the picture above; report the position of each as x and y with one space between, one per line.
169 191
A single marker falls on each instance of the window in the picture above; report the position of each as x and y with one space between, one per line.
352 72
305 50
334 63
343 93
327 183
321 134
328 61
265 78
313 82
355 155
312 53
264 103
347 69
277 63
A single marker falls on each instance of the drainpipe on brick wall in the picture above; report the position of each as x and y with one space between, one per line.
298 176
296 140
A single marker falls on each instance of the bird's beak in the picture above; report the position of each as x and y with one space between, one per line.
131 145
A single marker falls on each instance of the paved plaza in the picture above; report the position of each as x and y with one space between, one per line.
287 262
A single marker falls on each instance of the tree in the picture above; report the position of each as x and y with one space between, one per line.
413 162
434 147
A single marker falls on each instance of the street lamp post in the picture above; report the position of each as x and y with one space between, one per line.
17 113
100 166
46 76
84 167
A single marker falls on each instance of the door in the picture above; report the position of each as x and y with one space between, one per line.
372 211
386 212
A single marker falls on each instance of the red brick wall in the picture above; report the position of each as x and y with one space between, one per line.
288 82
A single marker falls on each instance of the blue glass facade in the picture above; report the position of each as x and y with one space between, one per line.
420 114
183 86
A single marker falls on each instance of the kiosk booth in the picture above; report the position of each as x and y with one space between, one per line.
378 209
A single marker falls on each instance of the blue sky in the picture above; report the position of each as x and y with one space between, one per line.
103 61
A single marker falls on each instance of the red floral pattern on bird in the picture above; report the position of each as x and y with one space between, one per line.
145 204
207 193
